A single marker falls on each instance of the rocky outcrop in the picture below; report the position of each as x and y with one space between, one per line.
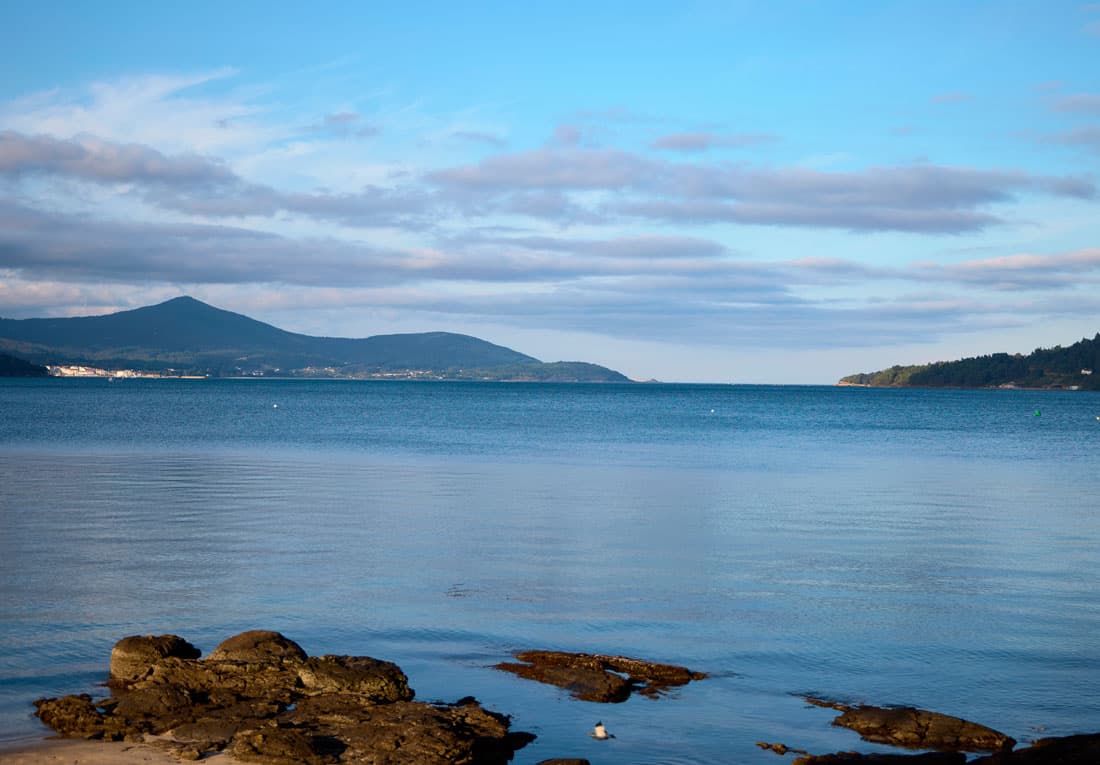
595 677
917 728
1064 750
261 698
855 758
1067 750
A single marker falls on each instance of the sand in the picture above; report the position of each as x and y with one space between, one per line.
81 752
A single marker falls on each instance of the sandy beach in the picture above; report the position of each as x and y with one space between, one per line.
83 752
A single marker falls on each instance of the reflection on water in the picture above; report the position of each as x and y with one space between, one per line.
870 549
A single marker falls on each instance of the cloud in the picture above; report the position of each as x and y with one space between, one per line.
198 185
698 142
91 159
954 97
477 136
1087 137
165 111
634 247
549 169
1022 271
1077 103
566 135
345 125
68 247
918 198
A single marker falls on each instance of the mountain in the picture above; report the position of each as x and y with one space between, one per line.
188 336
1075 367
10 366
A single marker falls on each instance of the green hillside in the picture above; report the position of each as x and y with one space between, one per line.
1076 367
190 337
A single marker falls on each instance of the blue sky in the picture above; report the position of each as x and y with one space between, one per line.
776 192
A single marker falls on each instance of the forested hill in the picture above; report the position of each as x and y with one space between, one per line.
187 336
1075 367
10 366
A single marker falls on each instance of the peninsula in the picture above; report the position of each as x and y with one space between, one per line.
1074 368
185 337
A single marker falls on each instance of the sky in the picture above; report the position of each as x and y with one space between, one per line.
735 192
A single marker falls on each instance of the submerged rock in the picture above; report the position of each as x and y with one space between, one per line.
261 698
917 728
595 677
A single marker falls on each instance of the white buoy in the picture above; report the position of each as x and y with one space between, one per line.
600 732
274 406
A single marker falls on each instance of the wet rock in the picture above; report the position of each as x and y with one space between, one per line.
1065 750
286 746
211 734
600 678
917 728
77 717
259 647
133 657
261 698
584 684
379 681
844 758
149 709
779 748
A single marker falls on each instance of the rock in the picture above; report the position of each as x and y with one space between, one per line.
917 728
843 758
379 681
261 698
1065 750
133 657
258 646
77 717
583 683
595 677
153 709
286 746
779 748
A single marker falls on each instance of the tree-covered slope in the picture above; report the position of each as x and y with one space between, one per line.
10 366
1077 366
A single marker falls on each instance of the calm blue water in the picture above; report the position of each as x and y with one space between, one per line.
935 548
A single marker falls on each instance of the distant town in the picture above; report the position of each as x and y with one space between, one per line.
77 370
82 371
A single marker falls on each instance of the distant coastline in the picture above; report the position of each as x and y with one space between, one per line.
186 338
1054 368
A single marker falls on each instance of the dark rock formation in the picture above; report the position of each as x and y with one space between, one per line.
132 658
594 677
261 698
917 728
847 758
1065 750
779 748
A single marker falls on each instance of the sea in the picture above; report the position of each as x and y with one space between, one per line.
934 548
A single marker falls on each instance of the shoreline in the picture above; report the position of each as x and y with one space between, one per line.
78 751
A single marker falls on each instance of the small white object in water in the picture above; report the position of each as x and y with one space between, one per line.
600 732
274 406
